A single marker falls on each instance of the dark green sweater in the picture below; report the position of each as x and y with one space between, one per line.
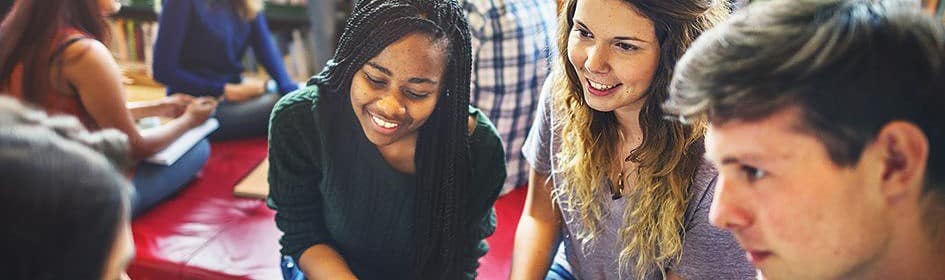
330 185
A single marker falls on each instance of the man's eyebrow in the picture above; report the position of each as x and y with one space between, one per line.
741 159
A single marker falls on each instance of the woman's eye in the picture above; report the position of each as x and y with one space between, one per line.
627 47
583 33
416 95
376 82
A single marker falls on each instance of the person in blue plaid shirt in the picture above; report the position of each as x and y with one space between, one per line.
512 44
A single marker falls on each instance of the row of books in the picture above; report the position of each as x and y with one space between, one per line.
937 7
289 2
295 46
157 3
132 45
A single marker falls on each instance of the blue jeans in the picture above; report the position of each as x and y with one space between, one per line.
155 183
290 270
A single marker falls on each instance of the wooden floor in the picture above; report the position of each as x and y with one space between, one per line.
138 93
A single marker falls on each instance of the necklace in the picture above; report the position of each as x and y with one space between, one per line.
617 191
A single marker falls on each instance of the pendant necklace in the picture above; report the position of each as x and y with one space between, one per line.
617 191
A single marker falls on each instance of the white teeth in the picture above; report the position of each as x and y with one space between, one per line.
598 86
382 123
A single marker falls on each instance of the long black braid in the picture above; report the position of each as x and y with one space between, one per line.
442 226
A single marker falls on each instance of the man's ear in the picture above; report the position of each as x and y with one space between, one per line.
904 150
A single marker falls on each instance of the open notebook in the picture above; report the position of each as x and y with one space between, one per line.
183 144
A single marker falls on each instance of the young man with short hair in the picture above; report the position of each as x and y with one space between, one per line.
827 124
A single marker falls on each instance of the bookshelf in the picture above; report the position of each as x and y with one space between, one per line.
134 29
280 16
940 9
137 11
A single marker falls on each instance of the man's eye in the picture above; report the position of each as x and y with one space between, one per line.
753 174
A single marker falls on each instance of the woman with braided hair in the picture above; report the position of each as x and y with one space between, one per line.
379 169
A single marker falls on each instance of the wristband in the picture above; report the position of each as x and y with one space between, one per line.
272 87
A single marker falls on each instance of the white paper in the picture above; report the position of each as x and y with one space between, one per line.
183 144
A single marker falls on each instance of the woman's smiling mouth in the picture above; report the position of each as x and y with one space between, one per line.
382 124
600 89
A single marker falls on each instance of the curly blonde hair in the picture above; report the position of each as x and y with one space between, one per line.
667 160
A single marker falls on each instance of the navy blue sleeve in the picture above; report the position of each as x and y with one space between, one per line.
173 22
267 54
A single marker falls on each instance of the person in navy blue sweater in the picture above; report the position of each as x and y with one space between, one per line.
199 49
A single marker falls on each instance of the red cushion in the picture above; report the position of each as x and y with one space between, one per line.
498 261
204 232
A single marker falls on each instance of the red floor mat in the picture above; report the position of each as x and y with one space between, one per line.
205 232
495 265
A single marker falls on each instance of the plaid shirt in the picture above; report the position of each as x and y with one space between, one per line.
512 46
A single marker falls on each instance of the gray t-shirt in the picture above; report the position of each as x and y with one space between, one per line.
708 252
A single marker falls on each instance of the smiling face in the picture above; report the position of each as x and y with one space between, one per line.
797 213
614 51
395 93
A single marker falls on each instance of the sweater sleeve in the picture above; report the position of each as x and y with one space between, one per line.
294 177
488 175
173 22
269 56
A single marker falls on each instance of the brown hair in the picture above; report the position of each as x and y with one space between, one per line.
32 30
878 60
668 158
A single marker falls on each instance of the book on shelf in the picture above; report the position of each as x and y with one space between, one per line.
294 46
132 39
298 57
118 44
289 2
930 6
940 12
132 45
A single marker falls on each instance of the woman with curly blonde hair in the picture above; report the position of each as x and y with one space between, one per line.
627 192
